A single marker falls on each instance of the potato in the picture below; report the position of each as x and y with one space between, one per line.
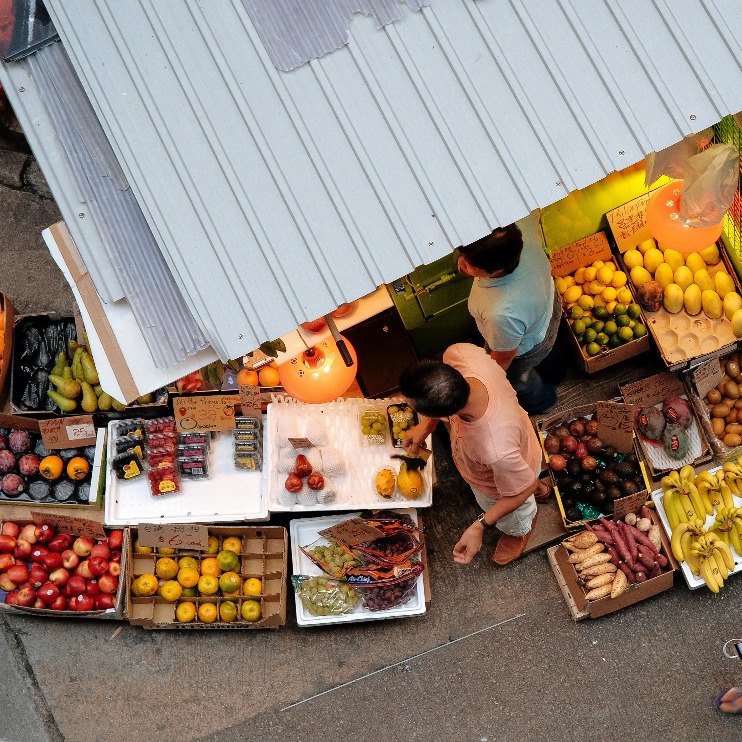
734 428
732 390
720 410
732 440
732 368
599 592
738 404
718 426
619 585
580 555
732 417
600 580
714 396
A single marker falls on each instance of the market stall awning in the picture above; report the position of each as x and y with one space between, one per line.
277 195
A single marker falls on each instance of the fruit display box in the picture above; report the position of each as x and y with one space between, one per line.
23 455
79 529
331 437
684 338
565 261
694 581
652 392
620 504
37 341
228 495
6 340
263 555
574 594
305 531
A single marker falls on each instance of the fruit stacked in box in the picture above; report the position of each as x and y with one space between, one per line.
236 581
374 575
30 472
705 519
724 403
43 568
693 283
600 308
589 474
614 554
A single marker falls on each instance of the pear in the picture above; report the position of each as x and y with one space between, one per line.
66 387
89 401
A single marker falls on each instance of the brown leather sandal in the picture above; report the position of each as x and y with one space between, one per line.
546 481
509 548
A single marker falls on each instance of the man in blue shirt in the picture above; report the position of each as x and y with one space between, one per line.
517 309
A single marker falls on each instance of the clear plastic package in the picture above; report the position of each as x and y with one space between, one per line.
373 425
161 425
194 467
325 596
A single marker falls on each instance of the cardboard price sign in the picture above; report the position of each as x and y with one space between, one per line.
70 524
204 412
297 443
569 258
68 432
182 536
630 504
351 532
708 375
653 389
250 401
616 424
628 223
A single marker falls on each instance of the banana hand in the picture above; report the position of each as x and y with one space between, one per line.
708 576
676 541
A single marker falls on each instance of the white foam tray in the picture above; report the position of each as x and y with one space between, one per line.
355 488
693 581
227 496
304 531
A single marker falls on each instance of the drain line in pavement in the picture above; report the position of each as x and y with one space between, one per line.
403 662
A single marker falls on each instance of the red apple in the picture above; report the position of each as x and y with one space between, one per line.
83 569
101 550
38 603
103 601
82 546
7 544
81 602
48 592
26 597
114 568
10 529
18 573
108 583
38 553
12 598
60 542
37 576
6 583
22 549
116 539
28 533
60 604
59 577
115 556
52 561
6 561
98 565
70 560
92 587
44 533
75 585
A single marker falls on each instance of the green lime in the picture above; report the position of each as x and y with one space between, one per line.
614 341
622 320
578 327
619 309
592 349
610 327
625 334
601 338
589 336
601 313
639 330
598 325
575 312
634 311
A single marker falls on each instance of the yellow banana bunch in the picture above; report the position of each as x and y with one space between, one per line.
683 537
733 476
682 501
713 560
709 488
728 527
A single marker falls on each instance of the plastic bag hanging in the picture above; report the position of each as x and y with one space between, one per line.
672 160
711 179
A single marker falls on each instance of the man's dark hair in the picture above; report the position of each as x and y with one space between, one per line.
434 388
499 251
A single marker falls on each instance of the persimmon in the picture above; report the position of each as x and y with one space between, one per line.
77 468
51 467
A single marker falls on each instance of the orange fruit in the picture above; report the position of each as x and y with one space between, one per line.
78 468
185 612
166 568
269 376
228 611
208 585
247 377
252 586
170 590
207 613
250 610
213 546
230 582
144 586
228 561
139 549
165 550
232 543
51 467
188 561
210 566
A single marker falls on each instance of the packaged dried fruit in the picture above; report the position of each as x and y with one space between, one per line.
250 461
247 423
161 425
128 427
386 594
194 467
192 449
194 437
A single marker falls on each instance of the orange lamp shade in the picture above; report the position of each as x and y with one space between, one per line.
666 226
319 374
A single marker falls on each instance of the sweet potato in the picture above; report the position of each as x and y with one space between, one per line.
645 512
653 534
599 592
619 584
601 558
627 532
640 576
641 538
599 581
581 554
583 540
646 559
623 567
603 536
598 569
615 559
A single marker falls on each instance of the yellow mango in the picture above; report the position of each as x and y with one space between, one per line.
703 280
672 300
692 299
664 275
653 258
712 306
683 277
737 323
710 255
695 262
724 283
674 258
731 302
640 276
632 258
644 247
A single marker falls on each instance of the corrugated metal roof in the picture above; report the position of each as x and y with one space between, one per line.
276 196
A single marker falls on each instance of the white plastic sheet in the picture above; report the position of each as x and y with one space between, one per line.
711 179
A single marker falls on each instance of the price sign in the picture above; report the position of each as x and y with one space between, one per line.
569 258
68 432
351 532
630 504
250 401
174 536
653 389
70 524
628 223
616 424
301 443
707 375
204 412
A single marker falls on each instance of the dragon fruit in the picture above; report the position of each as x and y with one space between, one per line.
651 423
677 411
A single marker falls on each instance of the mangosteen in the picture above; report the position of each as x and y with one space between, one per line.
591 427
628 487
12 485
28 464
573 467
609 477
3 441
19 441
7 461
557 462
551 444
568 444
560 431
594 445
573 514
577 428
613 493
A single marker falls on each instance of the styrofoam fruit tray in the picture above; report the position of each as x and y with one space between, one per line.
333 427
694 581
660 459
305 531
226 496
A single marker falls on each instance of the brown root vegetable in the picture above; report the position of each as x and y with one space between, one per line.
584 540
599 569
599 581
582 554
650 296
599 592
619 584
630 518
653 534
594 560
643 524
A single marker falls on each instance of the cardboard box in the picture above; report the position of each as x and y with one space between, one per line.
619 439
77 527
264 555
565 261
651 391
6 343
574 594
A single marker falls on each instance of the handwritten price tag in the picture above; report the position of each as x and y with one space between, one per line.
351 532
628 223
68 432
182 536
204 412
630 504
70 524
250 401
616 424
708 375
569 258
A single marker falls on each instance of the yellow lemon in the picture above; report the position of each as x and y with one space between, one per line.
561 286
572 294
185 612
624 296
703 280
252 586
166 568
228 611
208 584
596 287
579 276
250 610
618 279
569 281
597 264
591 273
724 283
598 301
170 590
712 306
210 566
605 273
610 306
585 302
188 576
632 258
188 561
207 613
609 293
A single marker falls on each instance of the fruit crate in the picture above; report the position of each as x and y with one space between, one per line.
263 555
565 261
6 341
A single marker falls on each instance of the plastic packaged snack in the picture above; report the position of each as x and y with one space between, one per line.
247 446
127 465
334 559
129 443
192 449
250 461
247 435
126 427
163 481
324 596
247 423
194 467
194 436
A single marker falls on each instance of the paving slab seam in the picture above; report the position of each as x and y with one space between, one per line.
402 662
19 652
